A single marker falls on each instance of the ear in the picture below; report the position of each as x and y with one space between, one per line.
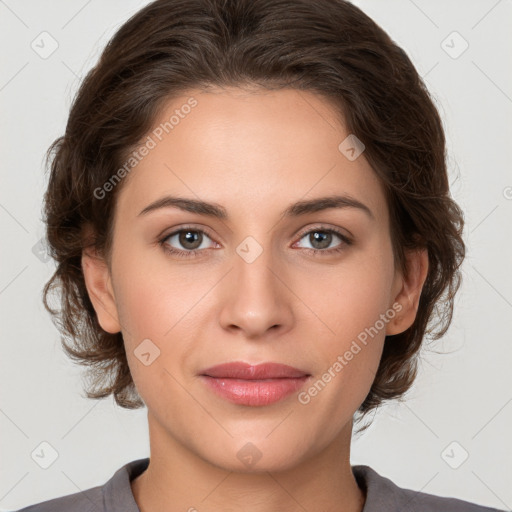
99 286
409 290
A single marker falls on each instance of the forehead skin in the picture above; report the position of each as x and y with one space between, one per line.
254 153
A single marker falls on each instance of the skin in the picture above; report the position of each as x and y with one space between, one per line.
255 153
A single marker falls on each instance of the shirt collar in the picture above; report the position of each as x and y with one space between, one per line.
381 493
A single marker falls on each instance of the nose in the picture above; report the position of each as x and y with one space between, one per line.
257 299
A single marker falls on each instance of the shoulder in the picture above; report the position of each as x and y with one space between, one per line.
113 496
383 495
90 500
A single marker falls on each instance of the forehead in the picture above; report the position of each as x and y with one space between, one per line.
247 150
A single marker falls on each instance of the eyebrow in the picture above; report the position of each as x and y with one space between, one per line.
294 210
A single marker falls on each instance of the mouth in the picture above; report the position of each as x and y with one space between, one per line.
262 384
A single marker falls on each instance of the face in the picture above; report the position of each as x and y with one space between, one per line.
253 285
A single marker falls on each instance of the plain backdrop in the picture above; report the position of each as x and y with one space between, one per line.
451 436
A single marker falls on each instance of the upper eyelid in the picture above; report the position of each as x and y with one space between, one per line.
188 228
337 231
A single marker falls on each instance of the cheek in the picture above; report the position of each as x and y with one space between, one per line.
152 294
356 307
352 297
154 303
350 354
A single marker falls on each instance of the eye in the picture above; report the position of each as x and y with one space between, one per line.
191 239
321 238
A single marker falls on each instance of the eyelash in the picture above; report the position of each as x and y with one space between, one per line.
194 253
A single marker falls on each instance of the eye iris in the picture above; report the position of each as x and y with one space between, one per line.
187 237
325 239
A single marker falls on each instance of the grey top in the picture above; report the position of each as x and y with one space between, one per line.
382 495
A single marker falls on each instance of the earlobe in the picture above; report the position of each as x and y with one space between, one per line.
409 295
99 287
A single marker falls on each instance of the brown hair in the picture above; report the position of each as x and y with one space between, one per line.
329 47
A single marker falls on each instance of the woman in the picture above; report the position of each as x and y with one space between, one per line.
252 223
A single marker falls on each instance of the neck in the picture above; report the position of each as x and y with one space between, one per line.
178 479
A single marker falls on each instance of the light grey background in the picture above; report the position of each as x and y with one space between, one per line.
463 393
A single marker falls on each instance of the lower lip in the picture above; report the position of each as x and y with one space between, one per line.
254 392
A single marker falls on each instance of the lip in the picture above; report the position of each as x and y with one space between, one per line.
246 371
254 385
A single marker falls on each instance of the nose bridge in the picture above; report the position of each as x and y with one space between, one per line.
256 299
253 268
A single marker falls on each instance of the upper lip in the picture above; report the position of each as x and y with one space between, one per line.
241 370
